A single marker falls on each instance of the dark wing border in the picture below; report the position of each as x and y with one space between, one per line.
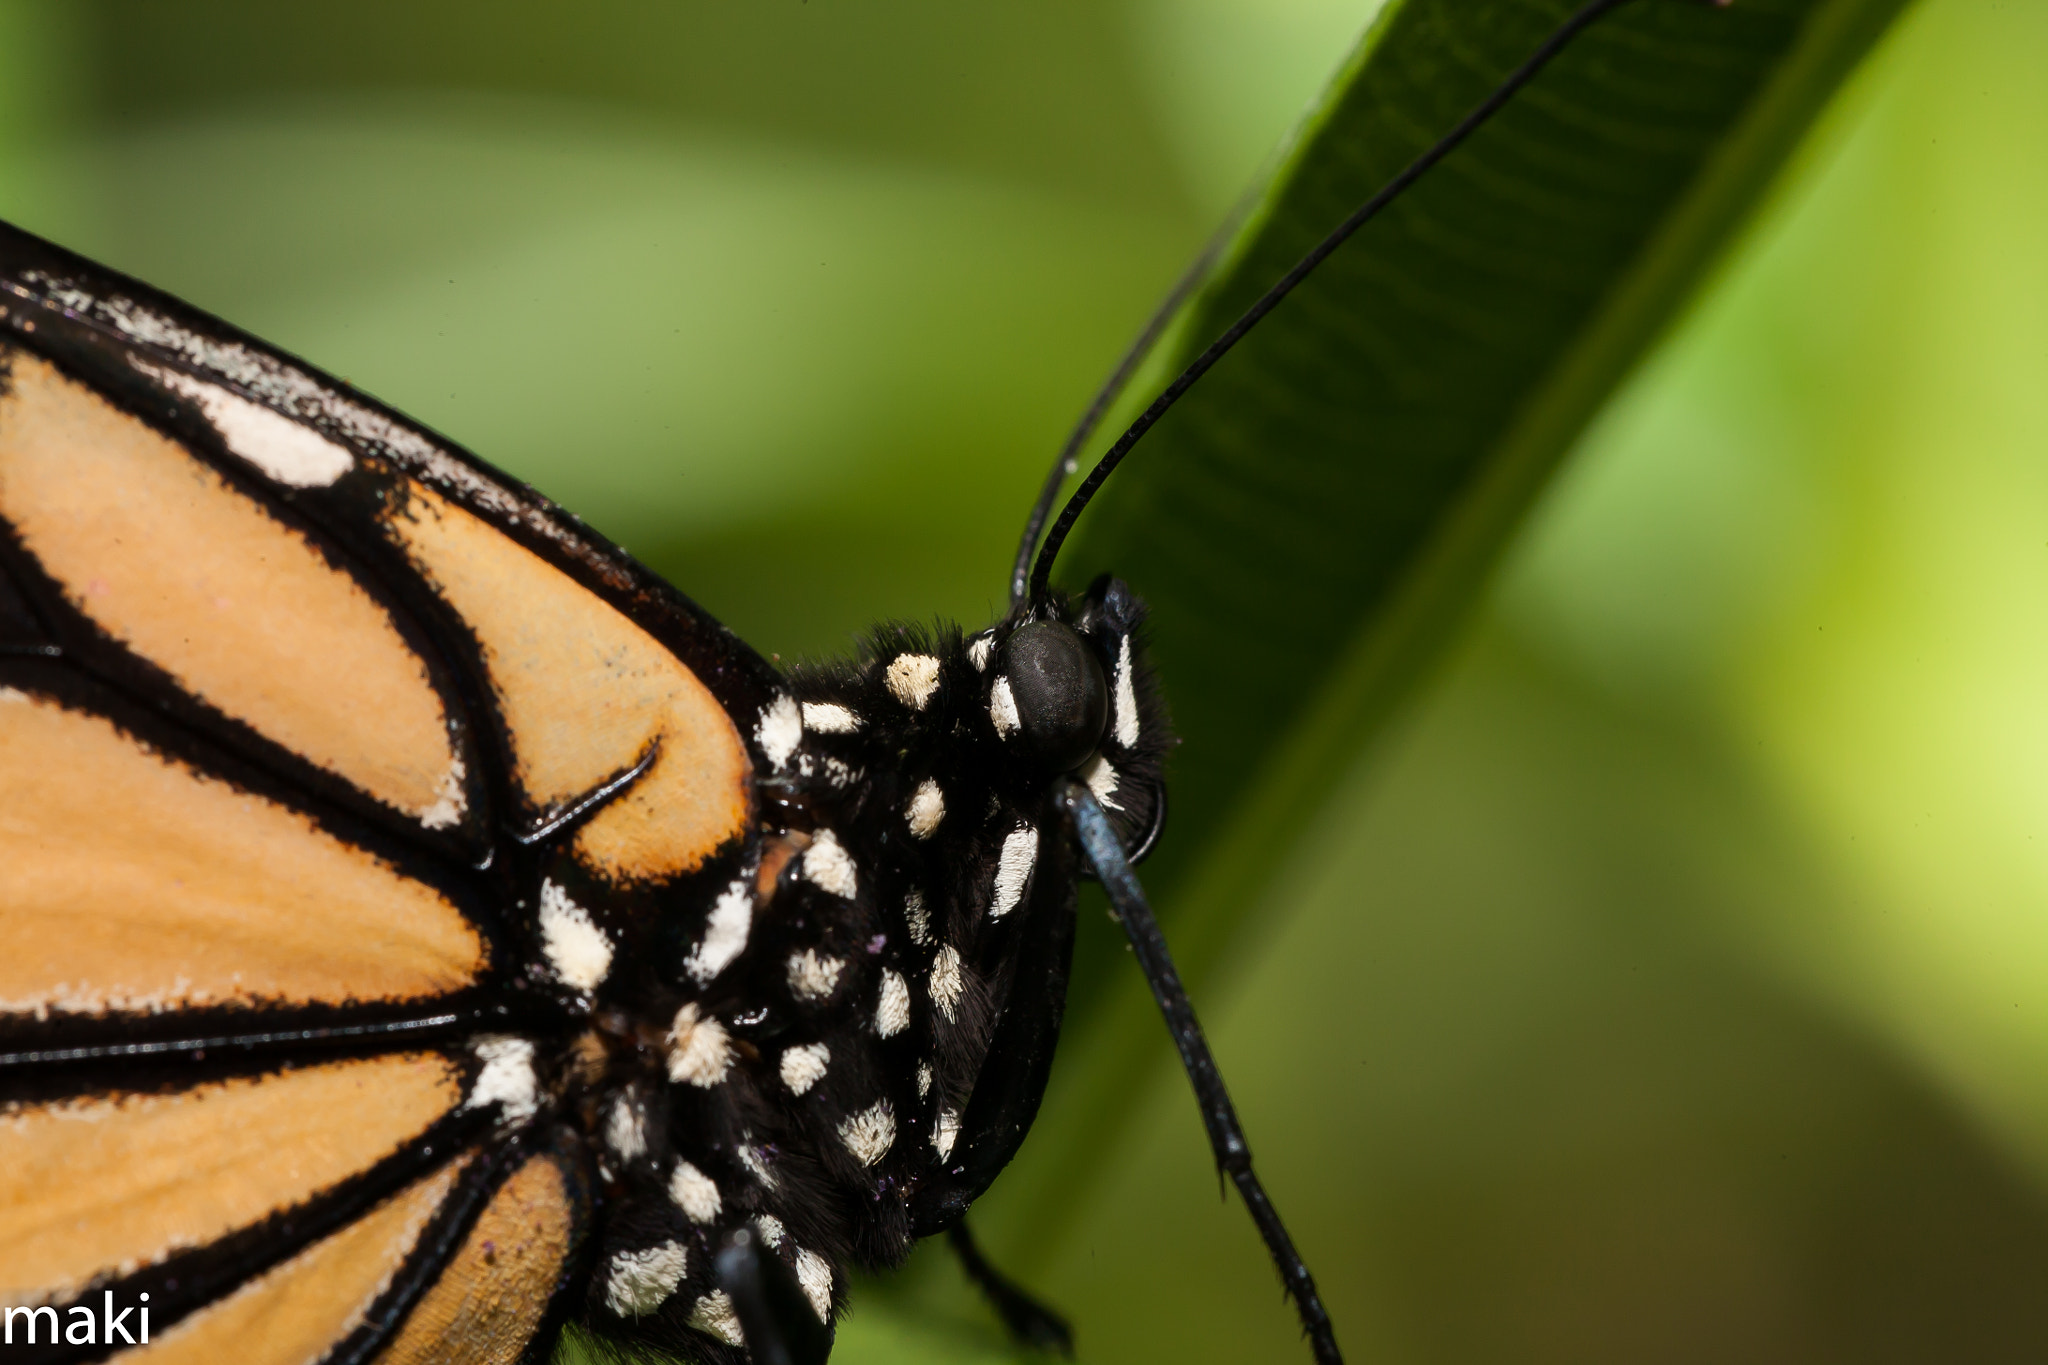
131 316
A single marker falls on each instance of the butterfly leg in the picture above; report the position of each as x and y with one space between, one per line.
779 1324
1219 1117
1030 1322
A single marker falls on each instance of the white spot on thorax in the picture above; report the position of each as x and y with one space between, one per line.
803 1067
780 730
927 807
725 933
576 948
912 678
828 866
1124 700
919 922
756 1162
829 718
625 1128
945 983
811 977
892 1013
1002 708
695 1193
641 1281
815 1276
714 1314
290 452
1102 780
698 1050
1013 870
507 1078
924 1079
978 651
871 1133
946 1132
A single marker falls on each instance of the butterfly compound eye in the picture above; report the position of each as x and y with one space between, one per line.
1062 698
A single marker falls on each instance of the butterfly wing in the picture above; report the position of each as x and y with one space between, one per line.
306 720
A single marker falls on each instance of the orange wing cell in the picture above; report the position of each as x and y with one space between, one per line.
585 694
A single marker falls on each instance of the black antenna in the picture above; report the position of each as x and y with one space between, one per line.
1584 17
1112 389
1219 1116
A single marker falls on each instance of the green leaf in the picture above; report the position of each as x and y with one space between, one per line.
1313 521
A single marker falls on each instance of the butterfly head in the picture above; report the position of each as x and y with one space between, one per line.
961 733
1069 691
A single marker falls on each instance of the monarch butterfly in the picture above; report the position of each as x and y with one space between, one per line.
510 941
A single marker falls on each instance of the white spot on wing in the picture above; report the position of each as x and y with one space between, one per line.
927 807
1124 700
779 731
291 453
828 866
919 921
641 1281
295 392
575 947
1013 870
450 800
912 678
695 1193
924 1079
829 718
892 1012
1102 780
816 1278
714 1314
803 1067
698 1050
725 933
771 1230
978 651
945 983
1002 708
869 1134
507 1078
811 977
946 1132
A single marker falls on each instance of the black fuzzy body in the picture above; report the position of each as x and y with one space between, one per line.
931 950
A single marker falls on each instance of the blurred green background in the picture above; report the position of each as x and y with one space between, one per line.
1672 986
